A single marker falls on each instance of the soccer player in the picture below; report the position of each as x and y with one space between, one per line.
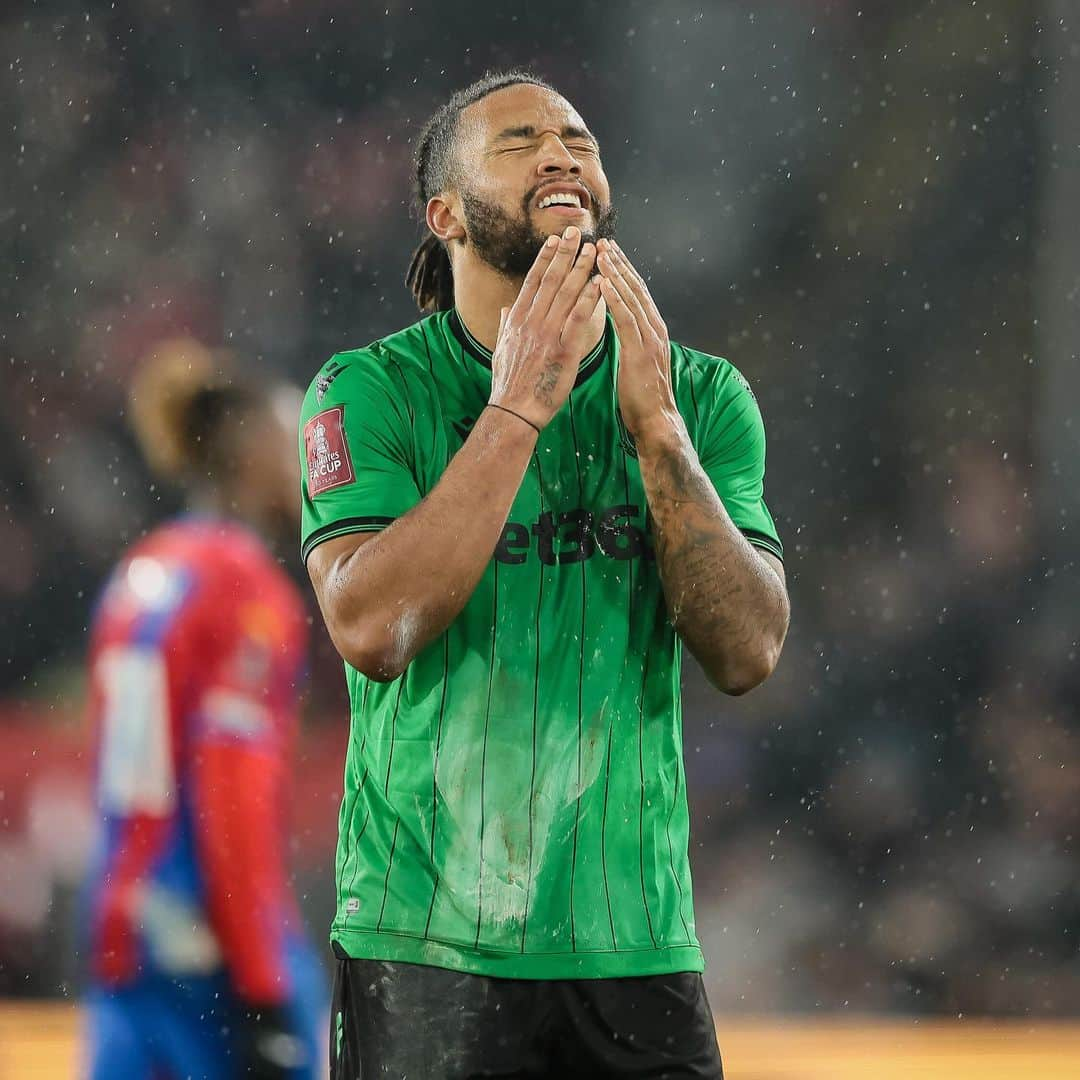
199 967
515 510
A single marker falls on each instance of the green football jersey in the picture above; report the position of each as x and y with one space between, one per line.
515 803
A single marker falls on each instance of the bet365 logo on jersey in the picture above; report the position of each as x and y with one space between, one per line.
576 535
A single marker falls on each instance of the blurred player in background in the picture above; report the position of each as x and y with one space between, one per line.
198 962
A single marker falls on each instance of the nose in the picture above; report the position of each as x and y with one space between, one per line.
556 160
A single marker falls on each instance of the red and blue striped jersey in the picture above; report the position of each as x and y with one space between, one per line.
197 652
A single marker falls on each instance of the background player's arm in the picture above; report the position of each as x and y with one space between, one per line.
385 596
238 782
237 772
236 789
727 600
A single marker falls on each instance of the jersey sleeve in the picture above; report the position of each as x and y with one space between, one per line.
238 770
731 448
356 448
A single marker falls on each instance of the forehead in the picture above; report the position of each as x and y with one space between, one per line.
523 105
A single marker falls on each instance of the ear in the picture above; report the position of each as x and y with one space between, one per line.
443 218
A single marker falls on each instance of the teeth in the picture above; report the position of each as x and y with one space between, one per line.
561 198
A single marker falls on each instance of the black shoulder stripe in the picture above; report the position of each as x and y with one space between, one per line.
340 528
765 542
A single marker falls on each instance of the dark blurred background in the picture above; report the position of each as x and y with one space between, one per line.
873 211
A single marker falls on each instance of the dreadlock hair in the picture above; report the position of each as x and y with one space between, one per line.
429 278
186 404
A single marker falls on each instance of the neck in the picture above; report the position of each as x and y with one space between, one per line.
225 504
275 532
481 292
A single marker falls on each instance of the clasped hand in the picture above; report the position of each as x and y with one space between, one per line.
547 330
646 397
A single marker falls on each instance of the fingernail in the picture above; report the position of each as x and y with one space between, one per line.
571 232
551 241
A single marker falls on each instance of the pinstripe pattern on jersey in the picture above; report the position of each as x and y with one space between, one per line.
349 834
435 778
566 682
535 711
483 756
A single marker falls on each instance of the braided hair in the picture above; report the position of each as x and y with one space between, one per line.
429 277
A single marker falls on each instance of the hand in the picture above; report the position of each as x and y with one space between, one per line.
646 396
267 1044
546 331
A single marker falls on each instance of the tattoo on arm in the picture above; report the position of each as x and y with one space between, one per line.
547 381
722 596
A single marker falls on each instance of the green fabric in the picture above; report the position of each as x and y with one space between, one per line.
515 803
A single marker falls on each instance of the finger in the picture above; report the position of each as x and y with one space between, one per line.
636 283
585 307
656 320
573 284
503 312
626 325
557 269
536 272
625 293
639 289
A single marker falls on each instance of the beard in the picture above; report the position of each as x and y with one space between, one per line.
510 244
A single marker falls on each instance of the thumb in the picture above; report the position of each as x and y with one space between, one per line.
503 312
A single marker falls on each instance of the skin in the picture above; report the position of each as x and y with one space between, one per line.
502 168
726 599
259 486
385 596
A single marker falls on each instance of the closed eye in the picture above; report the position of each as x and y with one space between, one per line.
576 148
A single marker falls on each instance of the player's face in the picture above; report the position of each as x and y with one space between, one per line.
529 167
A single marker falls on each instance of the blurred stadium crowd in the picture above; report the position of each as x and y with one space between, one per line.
845 202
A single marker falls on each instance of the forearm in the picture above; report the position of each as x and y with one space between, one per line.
388 598
242 862
724 600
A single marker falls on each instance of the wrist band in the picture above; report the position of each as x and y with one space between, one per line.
492 405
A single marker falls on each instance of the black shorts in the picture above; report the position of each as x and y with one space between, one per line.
411 1022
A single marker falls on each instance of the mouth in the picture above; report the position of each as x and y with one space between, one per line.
563 200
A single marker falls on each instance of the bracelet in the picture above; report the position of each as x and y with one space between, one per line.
492 405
